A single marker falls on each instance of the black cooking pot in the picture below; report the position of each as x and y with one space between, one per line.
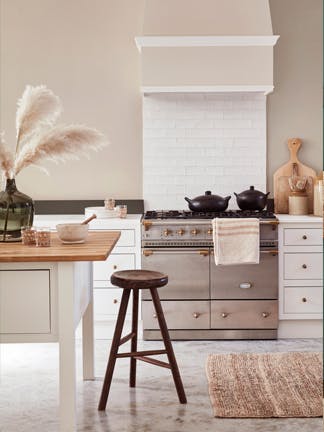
208 203
251 199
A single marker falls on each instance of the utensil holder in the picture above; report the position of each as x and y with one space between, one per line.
298 203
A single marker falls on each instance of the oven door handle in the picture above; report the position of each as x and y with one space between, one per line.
272 252
149 252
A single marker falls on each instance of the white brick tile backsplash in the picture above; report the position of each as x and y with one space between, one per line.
201 141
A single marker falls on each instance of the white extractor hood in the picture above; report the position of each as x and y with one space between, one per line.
207 46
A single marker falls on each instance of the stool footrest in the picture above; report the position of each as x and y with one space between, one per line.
126 338
141 353
153 361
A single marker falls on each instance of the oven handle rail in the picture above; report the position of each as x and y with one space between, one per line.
203 252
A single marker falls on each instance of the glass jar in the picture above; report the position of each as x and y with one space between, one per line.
122 210
43 237
16 210
28 235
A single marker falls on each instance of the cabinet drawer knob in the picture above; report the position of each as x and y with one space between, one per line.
304 266
114 266
304 237
265 314
224 314
304 299
196 315
154 315
115 301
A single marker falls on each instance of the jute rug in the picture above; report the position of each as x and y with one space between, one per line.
265 385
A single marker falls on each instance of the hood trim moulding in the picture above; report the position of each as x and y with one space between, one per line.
265 89
204 41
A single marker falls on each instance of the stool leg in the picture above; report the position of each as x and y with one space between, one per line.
168 346
114 350
132 375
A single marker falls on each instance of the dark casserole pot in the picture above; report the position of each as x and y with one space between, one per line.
251 199
208 203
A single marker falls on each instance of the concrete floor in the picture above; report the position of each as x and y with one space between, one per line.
29 391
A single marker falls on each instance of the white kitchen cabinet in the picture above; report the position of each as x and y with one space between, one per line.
300 276
125 256
18 314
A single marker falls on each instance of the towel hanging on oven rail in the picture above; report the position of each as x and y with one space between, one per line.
236 241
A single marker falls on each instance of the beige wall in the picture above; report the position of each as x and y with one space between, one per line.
207 17
84 50
295 107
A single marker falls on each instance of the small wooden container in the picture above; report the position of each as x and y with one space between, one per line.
298 203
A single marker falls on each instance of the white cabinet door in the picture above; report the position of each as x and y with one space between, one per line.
25 301
302 236
303 266
107 302
303 300
102 270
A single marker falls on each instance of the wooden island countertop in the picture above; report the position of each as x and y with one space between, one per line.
97 247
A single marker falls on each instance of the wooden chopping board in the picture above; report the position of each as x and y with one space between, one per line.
280 179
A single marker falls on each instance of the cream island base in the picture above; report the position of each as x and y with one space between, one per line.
44 293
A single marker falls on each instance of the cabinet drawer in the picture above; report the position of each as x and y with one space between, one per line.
107 302
178 315
102 270
302 237
244 314
126 239
303 265
25 301
303 300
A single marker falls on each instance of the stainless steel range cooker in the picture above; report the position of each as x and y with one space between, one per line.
202 300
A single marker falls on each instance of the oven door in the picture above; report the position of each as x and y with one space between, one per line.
187 268
246 281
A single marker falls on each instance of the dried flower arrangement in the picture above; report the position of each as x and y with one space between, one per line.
38 138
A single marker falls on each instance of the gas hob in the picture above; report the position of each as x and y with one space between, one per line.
188 215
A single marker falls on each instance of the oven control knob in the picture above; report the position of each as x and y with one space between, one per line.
210 231
194 232
180 232
265 314
166 232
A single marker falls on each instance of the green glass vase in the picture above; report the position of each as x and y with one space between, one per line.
16 210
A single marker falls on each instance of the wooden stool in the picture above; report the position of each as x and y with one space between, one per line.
136 280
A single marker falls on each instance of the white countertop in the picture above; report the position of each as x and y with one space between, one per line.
111 223
286 218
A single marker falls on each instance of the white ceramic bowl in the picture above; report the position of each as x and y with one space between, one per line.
72 232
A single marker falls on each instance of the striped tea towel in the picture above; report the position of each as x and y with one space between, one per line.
236 241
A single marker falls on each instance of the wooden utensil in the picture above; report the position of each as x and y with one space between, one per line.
89 219
281 176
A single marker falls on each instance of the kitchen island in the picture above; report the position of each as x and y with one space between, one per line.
44 293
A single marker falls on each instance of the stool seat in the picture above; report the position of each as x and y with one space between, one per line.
138 279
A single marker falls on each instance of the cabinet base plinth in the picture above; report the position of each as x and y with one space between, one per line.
213 334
